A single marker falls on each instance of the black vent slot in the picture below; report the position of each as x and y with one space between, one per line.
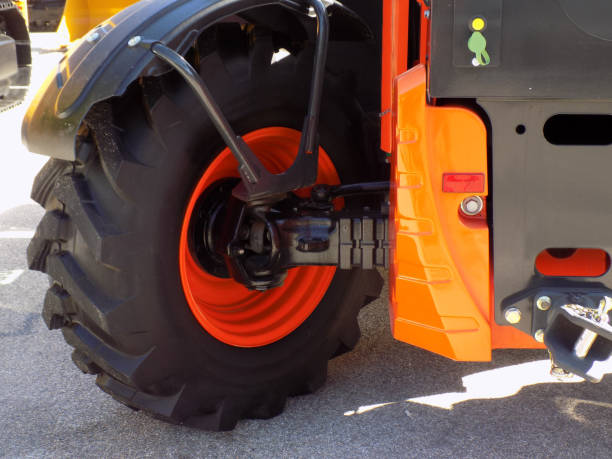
575 129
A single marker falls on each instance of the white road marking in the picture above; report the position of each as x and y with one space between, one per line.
8 277
16 234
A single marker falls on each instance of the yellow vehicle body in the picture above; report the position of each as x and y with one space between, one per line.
22 5
80 16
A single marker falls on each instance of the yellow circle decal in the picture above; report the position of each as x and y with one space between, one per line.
478 24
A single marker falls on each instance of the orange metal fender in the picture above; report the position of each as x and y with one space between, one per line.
440 279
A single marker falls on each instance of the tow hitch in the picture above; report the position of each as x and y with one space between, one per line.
579 336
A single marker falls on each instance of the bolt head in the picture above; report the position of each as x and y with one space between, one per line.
93 37
472 205
512 315
543 303
539 335
560 373
134 41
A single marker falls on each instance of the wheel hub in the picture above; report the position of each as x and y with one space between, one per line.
224 307
207 225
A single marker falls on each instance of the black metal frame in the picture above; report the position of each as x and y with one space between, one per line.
261 242
257 243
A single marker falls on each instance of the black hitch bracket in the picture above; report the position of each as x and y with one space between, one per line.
572 320
579 338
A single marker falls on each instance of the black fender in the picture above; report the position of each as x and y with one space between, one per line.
103 65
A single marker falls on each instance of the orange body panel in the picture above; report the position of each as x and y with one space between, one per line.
440 280
394 61
395 58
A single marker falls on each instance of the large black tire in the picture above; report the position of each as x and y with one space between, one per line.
110 239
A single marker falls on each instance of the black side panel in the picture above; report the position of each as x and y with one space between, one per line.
545 196
538 49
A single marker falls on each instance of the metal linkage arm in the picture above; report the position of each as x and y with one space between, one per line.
250 167
257 182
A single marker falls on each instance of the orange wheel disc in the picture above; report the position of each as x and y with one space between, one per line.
225 308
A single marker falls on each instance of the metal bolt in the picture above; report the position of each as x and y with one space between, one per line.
426 13
559 373
93 37
543 303
513 315
539 335
472 205
134 41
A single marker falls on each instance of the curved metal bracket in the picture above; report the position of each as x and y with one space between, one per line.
257 182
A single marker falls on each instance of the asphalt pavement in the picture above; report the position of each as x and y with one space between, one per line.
384 399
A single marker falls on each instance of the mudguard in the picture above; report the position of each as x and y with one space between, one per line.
102 65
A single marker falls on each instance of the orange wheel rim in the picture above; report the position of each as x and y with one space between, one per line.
225 308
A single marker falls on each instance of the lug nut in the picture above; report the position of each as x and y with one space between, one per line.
539 335
472 206
543 303
513 315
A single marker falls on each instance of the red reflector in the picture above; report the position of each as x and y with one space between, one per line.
463 183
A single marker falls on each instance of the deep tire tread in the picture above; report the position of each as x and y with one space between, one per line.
122 366
96 230
94 306
47 177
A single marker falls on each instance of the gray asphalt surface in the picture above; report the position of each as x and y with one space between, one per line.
384 399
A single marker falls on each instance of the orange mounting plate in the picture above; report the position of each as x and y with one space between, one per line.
441 295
